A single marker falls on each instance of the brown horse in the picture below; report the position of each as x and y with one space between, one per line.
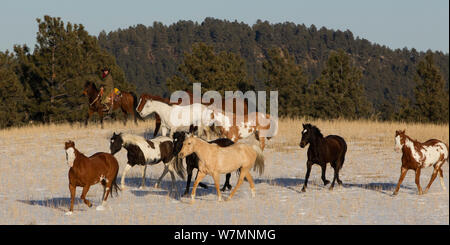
126 101
86 171
418 155
215 160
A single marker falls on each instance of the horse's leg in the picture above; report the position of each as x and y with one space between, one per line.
163 130
324 170
200 176
227 182
143 177
308 171
166 169
125 117
88 117
172 176
72 190
239 183
418 170
433 176
83 195
125 171
336 174
189 177
252 184
216 177
441 178
100 114
400 180
262 142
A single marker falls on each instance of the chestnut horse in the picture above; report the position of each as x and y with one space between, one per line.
126 101
215 160
86 171
323 150
418 155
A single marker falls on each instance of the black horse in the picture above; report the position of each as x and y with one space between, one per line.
330 149
192 160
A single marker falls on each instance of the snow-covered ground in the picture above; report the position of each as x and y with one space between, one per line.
34 187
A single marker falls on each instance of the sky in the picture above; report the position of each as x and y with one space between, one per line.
419 24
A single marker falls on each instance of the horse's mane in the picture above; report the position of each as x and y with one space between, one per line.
155 97
132 139
314 129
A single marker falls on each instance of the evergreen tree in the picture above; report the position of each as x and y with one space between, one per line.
12 95
338 92
223 71
286 77
431 96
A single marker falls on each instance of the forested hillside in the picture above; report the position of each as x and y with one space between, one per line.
150 55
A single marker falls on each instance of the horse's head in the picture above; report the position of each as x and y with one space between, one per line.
69 146
399 140
143 101
178 139
307 135
116 142
89 88
188 146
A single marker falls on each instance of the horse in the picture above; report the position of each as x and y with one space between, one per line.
323 150
167 112
141 151
416 156
235 127
215 160
127 102
86 171
144 97
192 159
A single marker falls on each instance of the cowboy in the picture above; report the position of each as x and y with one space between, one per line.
107 90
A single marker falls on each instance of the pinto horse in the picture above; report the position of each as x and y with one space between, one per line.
418 155
147 152
192 159
86 171
323 150
215 160
127 102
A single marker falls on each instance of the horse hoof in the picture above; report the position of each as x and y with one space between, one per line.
303 189
68 213
100 208
394 194
326 182
156 186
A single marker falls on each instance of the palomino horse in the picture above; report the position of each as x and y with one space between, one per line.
323 150
86 171
418 155
147 152
215 160
127 102
192 160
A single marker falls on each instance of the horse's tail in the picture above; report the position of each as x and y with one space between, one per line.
177 165
114 187
259 162
135 104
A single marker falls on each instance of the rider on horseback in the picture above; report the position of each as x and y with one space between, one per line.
107 90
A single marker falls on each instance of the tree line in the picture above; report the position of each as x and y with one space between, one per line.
318 73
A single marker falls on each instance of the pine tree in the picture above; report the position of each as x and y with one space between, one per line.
223 71
431 96
338 92
286 77
12 95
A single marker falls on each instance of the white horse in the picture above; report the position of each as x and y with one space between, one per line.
175 116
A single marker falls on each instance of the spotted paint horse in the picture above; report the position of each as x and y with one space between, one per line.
418 155
141 151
